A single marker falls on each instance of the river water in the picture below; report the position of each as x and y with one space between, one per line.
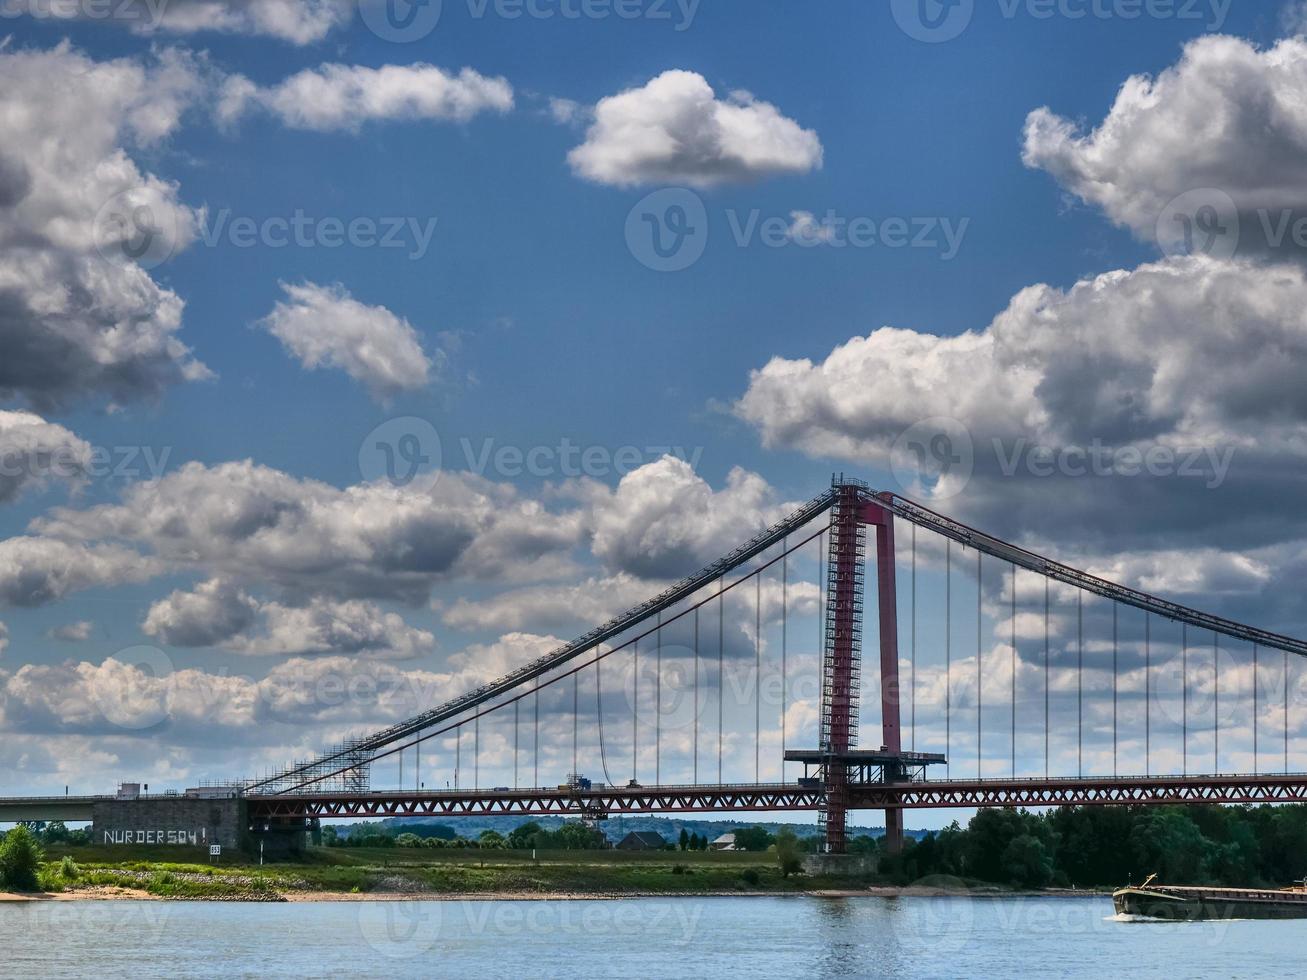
792 937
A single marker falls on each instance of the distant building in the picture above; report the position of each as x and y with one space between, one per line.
726 842
641 840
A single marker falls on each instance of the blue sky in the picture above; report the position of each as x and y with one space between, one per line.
539 323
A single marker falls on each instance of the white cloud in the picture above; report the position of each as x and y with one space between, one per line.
335 97
296 21
213 613
78 632
805 229
33 452
220 614
35 571
664 521
79 317
250 523
4 637
674 130
1227 116
1185 355
324 326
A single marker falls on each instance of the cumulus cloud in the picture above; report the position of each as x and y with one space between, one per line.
215 611
298 22
1227 116
35 570
78 632
324 326
674 130
1185 354
219 613
665 521
79 316
343 97
250 523
33 452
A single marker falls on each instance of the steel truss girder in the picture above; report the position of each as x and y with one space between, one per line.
1085 792
542 802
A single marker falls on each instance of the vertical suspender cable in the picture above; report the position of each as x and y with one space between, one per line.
785 605
1148 693
1115 661
948 656
576 711
635 713
695 737
1256 765
1184 703
757 679
980 705
1046 729
1216 701
476 752
458 752
913 689
658 702
1286 711
516 705
1080 683
1014 670
721 673
535 774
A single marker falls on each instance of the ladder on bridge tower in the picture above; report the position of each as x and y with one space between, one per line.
851 513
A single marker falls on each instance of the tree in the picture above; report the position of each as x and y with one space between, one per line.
1027 863
492 840
684 842
20 859
752 839
788 856
523 836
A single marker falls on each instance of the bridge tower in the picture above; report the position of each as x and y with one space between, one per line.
851 513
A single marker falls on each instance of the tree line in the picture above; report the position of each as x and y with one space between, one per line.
1262 846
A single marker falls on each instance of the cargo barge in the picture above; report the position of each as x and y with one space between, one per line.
1185 903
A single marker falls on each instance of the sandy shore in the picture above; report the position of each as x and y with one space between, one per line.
114 893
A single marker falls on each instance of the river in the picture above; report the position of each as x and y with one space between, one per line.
793 937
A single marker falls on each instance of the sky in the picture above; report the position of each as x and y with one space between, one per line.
351 355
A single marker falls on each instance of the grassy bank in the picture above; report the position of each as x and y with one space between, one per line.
360 871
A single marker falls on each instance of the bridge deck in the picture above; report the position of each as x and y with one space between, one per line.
1291 788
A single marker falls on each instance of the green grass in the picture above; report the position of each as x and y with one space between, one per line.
429 871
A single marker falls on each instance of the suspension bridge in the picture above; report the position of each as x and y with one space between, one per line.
1002 678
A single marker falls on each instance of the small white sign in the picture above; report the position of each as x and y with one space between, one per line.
215 850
